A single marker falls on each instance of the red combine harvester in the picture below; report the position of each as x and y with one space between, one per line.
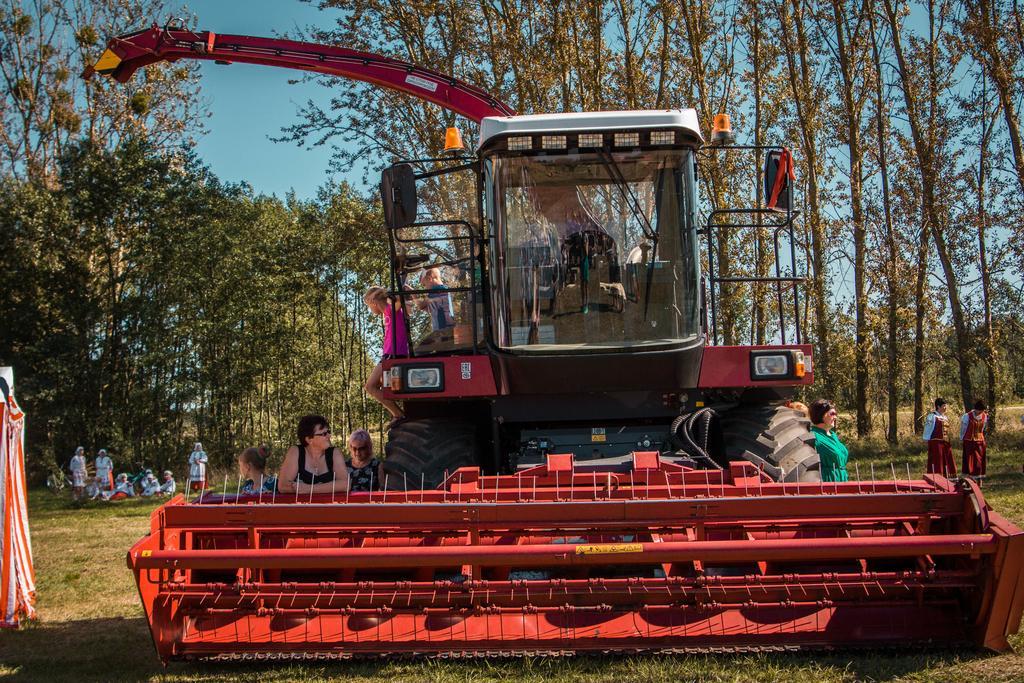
584 467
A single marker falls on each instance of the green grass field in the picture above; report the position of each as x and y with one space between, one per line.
91 626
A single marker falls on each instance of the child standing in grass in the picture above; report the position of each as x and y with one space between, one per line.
972 435
936 433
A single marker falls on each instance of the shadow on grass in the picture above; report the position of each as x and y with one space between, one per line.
88 649
892 664
121 649
1003 482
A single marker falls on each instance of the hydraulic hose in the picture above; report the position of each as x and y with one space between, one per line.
691 434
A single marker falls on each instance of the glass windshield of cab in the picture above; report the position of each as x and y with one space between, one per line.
594 251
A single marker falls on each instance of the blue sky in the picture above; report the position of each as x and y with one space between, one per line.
249 104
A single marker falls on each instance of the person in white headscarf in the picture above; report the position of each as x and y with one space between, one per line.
104 471
197 468
150 484
169 486
79 470
122 489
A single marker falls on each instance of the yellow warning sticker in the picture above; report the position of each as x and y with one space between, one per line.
609 548
147 553
597 435
108 62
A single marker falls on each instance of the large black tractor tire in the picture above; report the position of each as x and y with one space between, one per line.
775 434
419 452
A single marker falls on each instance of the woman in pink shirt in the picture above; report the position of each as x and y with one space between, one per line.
396 343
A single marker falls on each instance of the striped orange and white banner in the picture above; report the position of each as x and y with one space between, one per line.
17 575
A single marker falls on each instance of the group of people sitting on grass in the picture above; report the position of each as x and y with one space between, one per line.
148 485
105 486
313 465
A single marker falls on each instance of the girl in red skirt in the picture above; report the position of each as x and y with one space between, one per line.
972 434
936 433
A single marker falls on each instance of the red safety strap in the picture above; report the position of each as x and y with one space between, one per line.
785 169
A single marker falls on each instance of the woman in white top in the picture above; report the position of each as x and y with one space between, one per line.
169 486
79 470
150 484
123 489
197 468
104 471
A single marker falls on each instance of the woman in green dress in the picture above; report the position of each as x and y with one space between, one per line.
831 450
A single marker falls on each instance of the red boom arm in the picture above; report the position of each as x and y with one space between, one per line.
128 53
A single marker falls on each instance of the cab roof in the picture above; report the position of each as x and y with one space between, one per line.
494 127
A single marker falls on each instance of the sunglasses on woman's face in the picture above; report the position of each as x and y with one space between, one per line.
360 449
326 432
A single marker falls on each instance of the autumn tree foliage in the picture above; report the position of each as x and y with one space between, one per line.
144 303
907 220
147 303
45 105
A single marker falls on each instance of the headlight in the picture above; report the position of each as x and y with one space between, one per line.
780 364
425 378
771 366
627 139
663 137
520 144
553 141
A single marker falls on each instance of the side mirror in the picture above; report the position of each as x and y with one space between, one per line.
778 179
398 195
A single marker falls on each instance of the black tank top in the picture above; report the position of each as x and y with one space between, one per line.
307 477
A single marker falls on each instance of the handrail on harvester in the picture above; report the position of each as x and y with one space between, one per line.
547 555
127 53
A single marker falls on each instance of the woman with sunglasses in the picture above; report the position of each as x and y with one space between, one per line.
309 466
831 450
365 472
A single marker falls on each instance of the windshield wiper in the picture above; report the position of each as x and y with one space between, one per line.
634 206
627 193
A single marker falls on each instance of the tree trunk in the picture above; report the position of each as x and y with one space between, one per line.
805 101
892 307
986 278
926 149
847 49
703 84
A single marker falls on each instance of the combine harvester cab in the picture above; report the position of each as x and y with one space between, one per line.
564 558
